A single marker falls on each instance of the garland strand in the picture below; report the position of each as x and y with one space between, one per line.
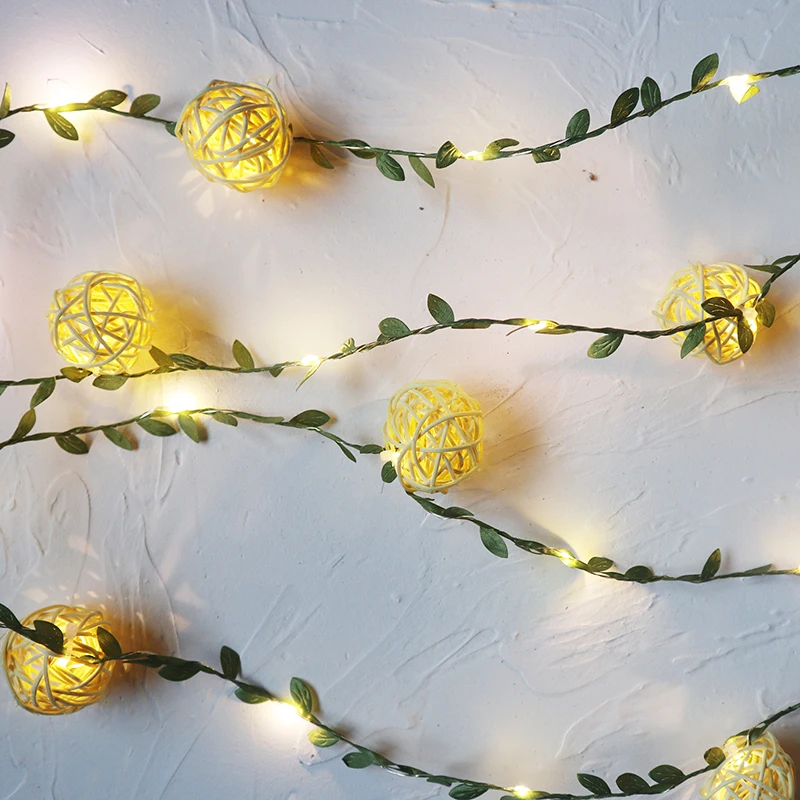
664 777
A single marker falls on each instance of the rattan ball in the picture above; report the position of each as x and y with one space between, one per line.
689 288
46 683
102 321
433 435
758 771
236 134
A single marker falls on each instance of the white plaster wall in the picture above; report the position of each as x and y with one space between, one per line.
267 540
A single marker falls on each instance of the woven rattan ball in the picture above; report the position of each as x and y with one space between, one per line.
434 435
46 683
758 771
689 288
236 134
102 321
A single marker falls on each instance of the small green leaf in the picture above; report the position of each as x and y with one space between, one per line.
6 137
468 791
750 91
765 313
694 338
422 170
49 635
579 124
370 449
630 783
388 472
108 99
441 780
494 542
242 355
144 104
182 671
7 617
115 437
440 310
25 425
301 694
772 269
75 374
250 697
225 419
156 427
230 662
393 328
666 773
599 564
718 306
310 419
704 71
548 154
189 427
651 94
712 565
639 574
493 149
319 737
5 103
108 643
72 444
170 128
605 345
187 362
390 167
161 358
110 382
745 334
624 105
358 143
447 154
61 125
714 756
762 570
359 760
318 157
43 391
594 784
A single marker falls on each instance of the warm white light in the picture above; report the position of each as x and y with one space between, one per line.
742 87
474 155
59 94
180 401
309 360
566 557
522 792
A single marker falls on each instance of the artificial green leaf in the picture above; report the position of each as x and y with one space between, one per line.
390 167
250 697
578 124
3 387
447 154
771 268
370 449
182 671
6 137
108 643
155 427
639 574
187 361
359 760
5 103
594 784
440 310
110 382
600 564
493 149
468 791
161 358
714 756
310 419
301 694
225 419
441 780
455 512
712 565
604 346
419 166
230 662
718 306
651 94
61 125
624 105
170 128
43 391
144 104
348 346
494 542
319 737
318 157
108 99
393 328
72 444
189 426
8 619
348 143
25 425
545 155
388 472
765 313
750 91
75 374
630 783
704 71
762 570
242 355
259 418
428 505
49 635
117 438
745 334
666 773
694 338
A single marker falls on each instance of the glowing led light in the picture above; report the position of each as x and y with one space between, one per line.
310 361
59 94
742 87
180 401
474 155
537 325
522 792
566 557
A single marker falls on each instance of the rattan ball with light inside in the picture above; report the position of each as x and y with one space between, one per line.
102 321
690 287
236 134
46 683
757 771
433 435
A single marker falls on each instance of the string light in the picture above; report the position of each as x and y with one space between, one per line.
523 792
310 361
742 87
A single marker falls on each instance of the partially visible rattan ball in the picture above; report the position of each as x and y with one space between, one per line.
102 321
690 287
236 134
46 683
434 435
758 771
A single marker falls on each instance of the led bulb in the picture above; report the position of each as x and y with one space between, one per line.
742 87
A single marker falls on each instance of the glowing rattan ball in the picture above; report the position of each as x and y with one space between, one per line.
236 134
690 287
758 771
46 683
434 435
102 321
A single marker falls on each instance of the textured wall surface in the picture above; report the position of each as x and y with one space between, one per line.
268 540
